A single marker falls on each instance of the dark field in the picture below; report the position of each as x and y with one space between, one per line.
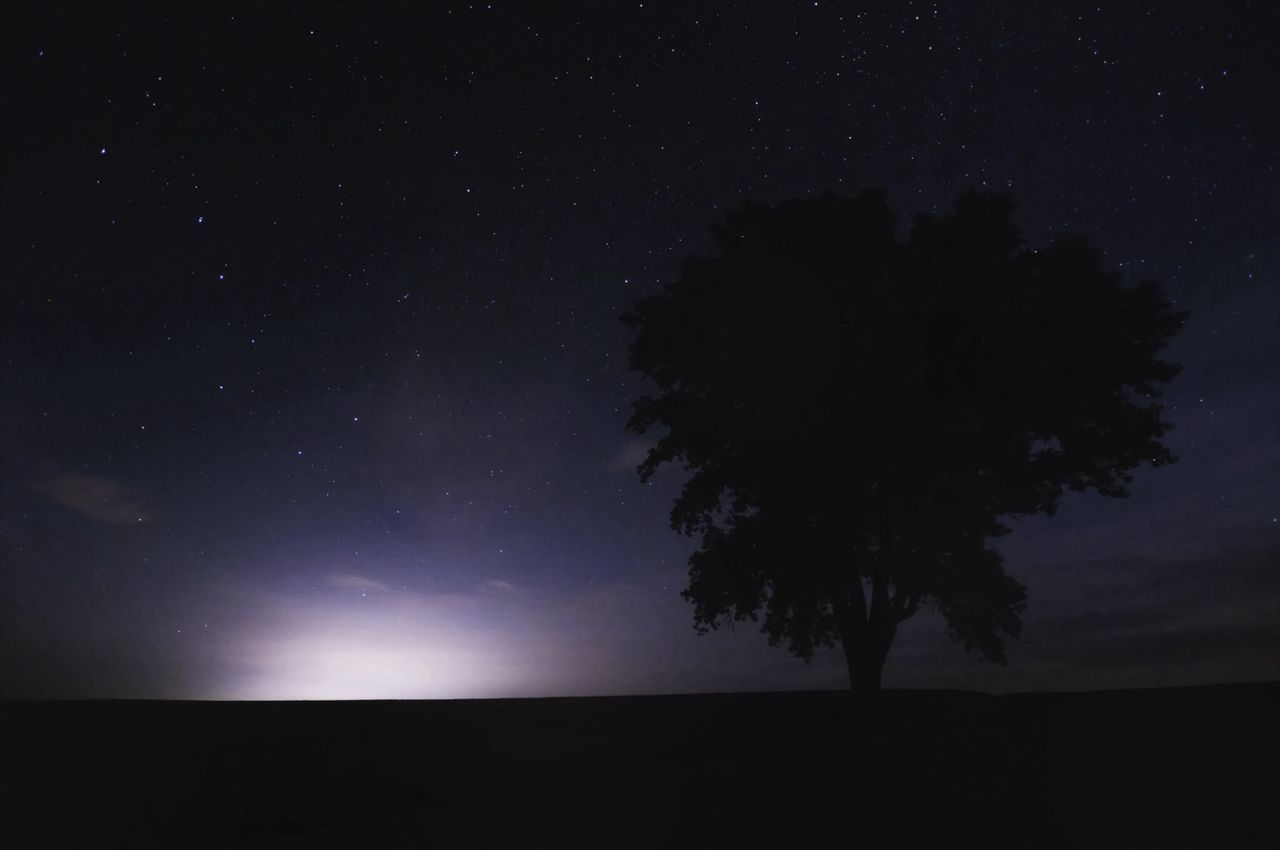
1192 767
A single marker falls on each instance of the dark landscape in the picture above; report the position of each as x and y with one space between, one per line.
1181 767
880 397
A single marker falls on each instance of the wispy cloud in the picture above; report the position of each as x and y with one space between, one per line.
1120 622
630 456
96 498
499 584
350 581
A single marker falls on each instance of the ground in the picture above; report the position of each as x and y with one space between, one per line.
1189 767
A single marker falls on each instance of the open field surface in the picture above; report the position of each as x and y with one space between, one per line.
1191 767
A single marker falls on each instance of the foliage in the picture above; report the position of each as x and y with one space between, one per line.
861 414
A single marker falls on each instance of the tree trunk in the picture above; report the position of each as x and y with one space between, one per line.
864 656
866 631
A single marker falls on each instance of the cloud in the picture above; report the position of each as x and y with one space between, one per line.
631 455
350 581
499 584
1120 622
90 496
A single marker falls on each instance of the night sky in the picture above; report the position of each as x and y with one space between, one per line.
312 382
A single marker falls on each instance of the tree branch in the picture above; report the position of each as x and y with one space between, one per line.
856 595
903 604
907 611
879 615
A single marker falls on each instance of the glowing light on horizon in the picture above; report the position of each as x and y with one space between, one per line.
328 665
383 646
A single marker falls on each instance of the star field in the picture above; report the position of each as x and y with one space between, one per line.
312 377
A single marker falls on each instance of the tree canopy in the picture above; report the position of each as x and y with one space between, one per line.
861 413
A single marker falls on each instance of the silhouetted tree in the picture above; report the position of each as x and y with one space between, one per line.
860 413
